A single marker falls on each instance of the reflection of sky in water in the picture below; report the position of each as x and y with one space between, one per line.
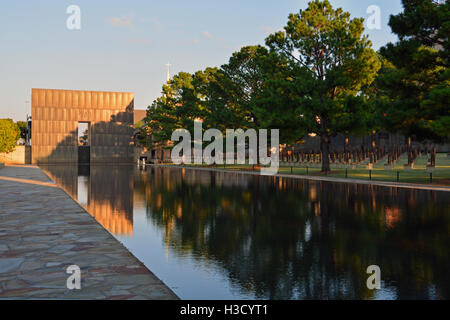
83 190
385 293
226 236
307 231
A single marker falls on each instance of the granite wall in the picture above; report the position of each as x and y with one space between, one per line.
56 114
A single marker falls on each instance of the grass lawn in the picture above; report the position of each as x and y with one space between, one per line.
441 174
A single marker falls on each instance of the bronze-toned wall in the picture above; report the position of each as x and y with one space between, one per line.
56 114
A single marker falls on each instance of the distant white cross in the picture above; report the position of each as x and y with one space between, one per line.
168 65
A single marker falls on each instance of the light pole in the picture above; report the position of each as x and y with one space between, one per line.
28 137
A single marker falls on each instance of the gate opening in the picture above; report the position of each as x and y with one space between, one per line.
84 150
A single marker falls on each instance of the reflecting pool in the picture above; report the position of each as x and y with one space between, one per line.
215 235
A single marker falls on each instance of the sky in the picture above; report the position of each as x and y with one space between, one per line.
125 45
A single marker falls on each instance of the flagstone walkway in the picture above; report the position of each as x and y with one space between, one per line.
43 231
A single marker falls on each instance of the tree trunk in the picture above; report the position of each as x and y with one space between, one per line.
325 149
410 157
433 156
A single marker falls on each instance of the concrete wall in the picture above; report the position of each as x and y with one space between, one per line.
21 155
56 114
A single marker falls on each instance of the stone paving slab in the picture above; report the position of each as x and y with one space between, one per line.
43 231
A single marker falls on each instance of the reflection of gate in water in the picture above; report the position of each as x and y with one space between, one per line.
106 192
84 154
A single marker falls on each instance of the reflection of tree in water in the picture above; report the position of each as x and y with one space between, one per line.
285 239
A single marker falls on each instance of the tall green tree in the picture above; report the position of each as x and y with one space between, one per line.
414 83
333 62
405 82
165 115
184 99
240 84
9 135
258 87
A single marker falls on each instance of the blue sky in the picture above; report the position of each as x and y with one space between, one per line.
124 45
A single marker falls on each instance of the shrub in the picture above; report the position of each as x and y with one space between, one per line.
9 135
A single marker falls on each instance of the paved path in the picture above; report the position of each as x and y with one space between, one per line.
329 179
43 231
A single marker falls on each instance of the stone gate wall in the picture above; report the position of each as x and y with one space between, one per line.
56 114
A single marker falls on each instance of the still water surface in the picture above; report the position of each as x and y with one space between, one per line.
212 235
